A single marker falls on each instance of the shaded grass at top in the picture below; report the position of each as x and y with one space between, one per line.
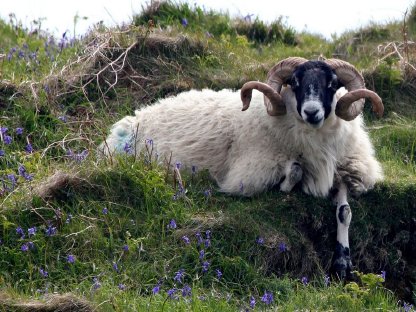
215 24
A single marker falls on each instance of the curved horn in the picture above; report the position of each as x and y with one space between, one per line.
351 104
277 106
276 77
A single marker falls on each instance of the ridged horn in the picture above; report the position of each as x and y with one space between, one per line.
351 104
276 77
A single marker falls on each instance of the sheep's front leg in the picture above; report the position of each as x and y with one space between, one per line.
293 174
342 264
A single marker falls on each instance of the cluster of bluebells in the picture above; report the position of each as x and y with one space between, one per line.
267 299
26 246
203 244
24 54
9 181
30 233
33 55
407 307
180 288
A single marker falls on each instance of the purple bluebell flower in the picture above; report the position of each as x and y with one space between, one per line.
19 131
96 283
207 193
31 231
252 302
3 130
194 169
282 247
267 298
12 178
50 231
218 273
407 307
105 210
304 280
179 276
9 56
31 245
7 139
20 232
186 291
25 247
121 286
126 247
207 243
23 173
115 267
171 293
184 22
199 238
29 148
205 266
383 275
149 142
172 224
70 259
178 165
156 289
2 153
260 240
43 272
127 148
201 254
186 240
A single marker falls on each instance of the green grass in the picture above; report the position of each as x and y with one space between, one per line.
63 101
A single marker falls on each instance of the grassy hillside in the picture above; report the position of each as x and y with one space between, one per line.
122 235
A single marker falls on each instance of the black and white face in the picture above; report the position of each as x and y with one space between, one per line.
314 84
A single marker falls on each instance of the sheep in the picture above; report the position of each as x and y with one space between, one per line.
310 134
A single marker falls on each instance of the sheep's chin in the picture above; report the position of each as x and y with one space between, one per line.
316 125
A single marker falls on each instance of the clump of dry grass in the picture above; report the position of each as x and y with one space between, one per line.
146 62
51 302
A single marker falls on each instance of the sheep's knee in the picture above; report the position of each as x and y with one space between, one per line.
293 175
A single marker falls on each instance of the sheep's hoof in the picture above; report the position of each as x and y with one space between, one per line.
294 176
342 265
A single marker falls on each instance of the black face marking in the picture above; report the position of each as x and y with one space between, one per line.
341 213
314 80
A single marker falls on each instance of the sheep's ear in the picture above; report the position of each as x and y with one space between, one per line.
333 83
294 82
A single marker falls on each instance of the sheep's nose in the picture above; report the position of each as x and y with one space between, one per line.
311 113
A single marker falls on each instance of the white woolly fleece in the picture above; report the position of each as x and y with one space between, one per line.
246 152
